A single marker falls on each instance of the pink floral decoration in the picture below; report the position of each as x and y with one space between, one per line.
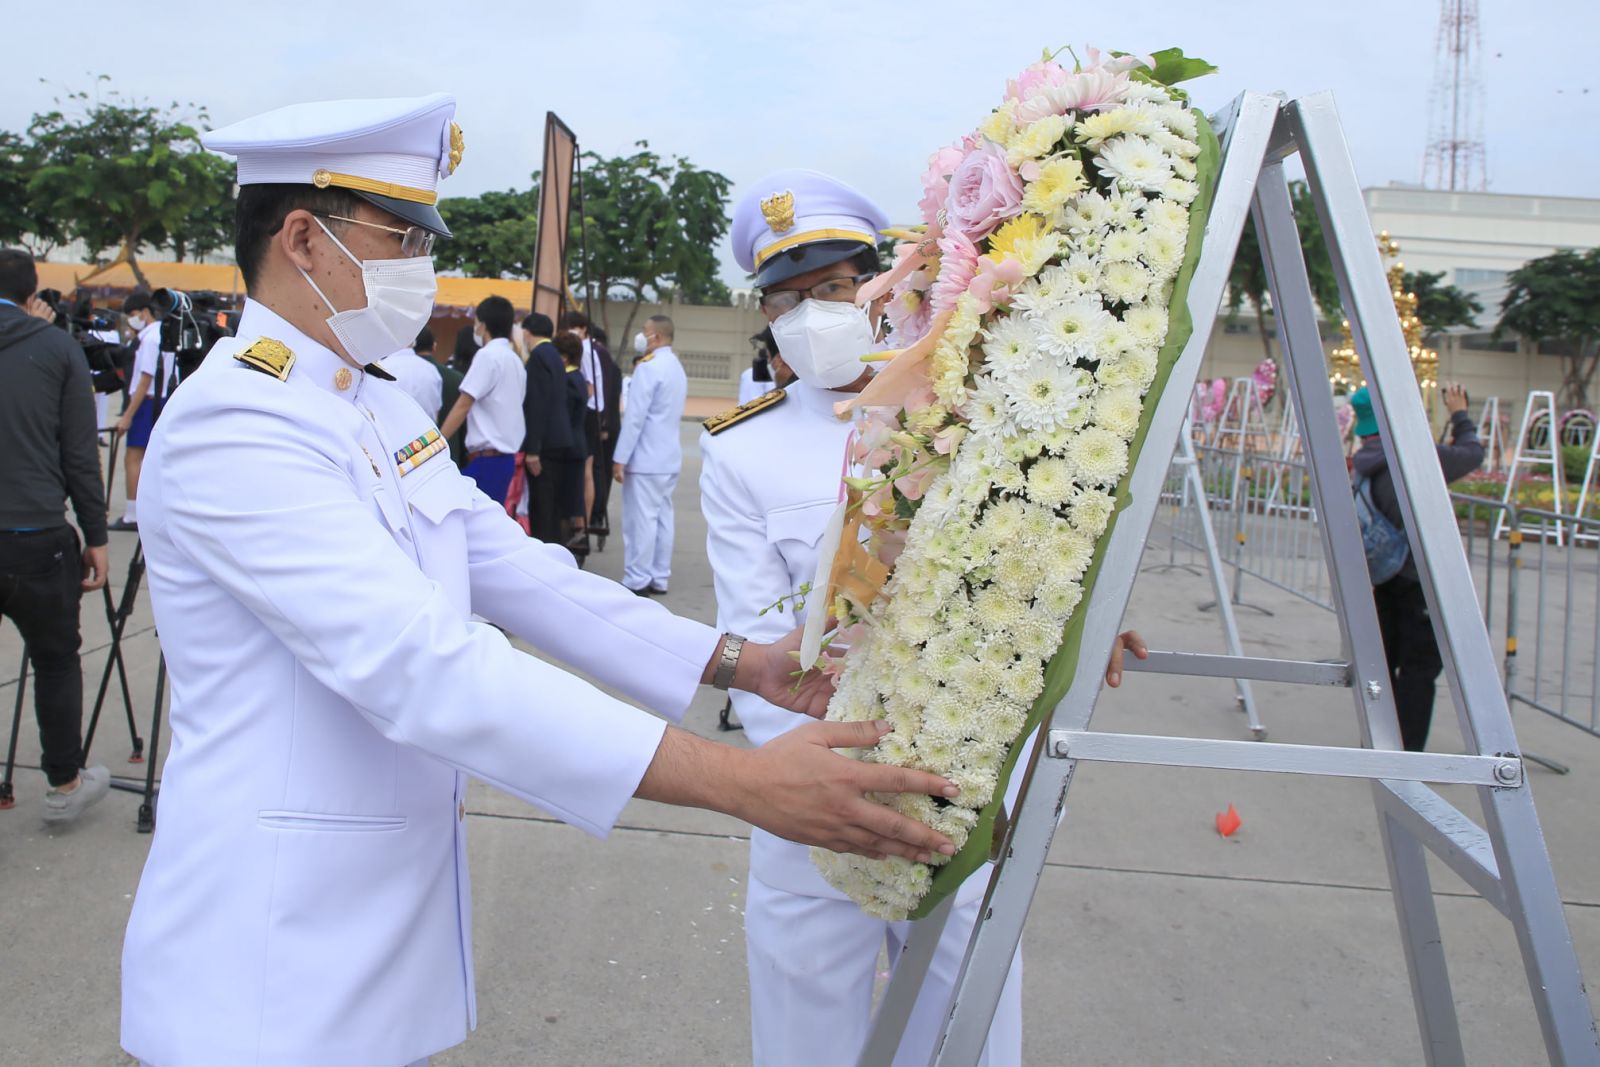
1035 79
957 267
995 281
984 192
1266 379
936 179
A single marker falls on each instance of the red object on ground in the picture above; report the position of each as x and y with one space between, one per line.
1228 821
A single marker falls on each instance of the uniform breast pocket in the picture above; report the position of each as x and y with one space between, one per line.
800 522
440 504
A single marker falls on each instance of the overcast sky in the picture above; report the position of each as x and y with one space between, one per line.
861 89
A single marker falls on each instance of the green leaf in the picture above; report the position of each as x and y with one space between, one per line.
1172 67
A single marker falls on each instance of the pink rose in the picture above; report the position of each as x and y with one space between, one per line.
958 265
936 181
910 315
984 192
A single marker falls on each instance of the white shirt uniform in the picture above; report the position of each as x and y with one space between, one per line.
305 902
496 381
420 378
648 441
768 486
145 358
590 365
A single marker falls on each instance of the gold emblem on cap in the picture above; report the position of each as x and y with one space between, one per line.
342 379
458 144
778 210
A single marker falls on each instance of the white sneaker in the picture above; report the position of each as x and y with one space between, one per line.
93 784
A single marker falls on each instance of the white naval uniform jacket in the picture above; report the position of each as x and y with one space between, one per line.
768 486
648 442
305 901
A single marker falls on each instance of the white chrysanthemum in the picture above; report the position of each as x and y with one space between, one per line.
1061 601
1136 161
996 612
945 717
1146 93
976 679
1023 683
1038 524
1147 324
1116 340
987 413
1078 274
1095 129
1181 121
914 686
896 749
913 628
1016 574
1181 190
1003 520
1118 410
1039 294
1037 638
954 821
1099 456
1090 510
1043 392
1180 150
1071 552
1135 367
1050 482
1126 283
1164 250
1122 210
1086 213
1008 343
1071 328
1166 215
1186 169
1122 246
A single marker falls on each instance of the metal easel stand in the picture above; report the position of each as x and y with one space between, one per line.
1529 454
117 615
8 799
1504 860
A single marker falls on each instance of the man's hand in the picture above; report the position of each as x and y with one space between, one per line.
801 790
772 672
1130 641
96 565
39 309
531 461
1454 396
616 473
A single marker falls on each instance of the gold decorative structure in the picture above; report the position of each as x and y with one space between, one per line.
1344 367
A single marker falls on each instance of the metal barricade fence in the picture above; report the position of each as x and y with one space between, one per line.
1553 604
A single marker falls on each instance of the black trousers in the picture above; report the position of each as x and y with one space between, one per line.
39 593
593 421
1413 655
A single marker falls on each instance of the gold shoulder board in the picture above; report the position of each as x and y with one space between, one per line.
267 356
734 416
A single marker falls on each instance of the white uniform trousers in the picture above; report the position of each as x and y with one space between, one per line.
647 529
812 964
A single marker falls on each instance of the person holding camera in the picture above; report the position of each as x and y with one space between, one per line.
139 418
1409 643
49 438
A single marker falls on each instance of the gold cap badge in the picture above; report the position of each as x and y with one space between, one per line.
458 145
778 210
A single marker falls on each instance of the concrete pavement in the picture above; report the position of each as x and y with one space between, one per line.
1152 940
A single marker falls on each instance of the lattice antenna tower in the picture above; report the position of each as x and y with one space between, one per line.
1456 157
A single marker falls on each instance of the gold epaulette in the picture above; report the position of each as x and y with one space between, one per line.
642 360
267 356
734 416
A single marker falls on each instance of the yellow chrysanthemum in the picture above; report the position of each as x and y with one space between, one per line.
1037 140
1059 180
1001 125
1107 124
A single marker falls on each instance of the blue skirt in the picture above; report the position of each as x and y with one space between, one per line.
493 475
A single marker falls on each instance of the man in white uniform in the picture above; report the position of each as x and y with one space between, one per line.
418 375
648 458
139 417
769 483
315 564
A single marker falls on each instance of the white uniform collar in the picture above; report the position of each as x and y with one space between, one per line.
313 360
819 401
505 342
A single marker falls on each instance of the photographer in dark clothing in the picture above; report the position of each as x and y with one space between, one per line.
49 439
547 429
1408 639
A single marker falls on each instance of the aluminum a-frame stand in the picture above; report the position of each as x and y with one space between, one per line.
1504 860
1540 411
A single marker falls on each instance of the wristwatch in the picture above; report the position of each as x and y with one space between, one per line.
732 645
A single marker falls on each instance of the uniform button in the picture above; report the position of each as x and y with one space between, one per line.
342 379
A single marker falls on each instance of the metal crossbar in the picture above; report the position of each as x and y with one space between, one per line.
1504 859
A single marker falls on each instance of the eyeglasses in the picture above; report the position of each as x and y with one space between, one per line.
833 290
414 240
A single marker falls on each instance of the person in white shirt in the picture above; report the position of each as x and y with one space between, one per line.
648 458
491 401
415 372
138 418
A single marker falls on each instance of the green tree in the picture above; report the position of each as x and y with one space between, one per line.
210 228
493 235
1551 302
20 223
116 174
1248 283
1440 306
652 225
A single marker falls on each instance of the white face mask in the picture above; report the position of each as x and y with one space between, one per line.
400 295
135 323
823 341
640 343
